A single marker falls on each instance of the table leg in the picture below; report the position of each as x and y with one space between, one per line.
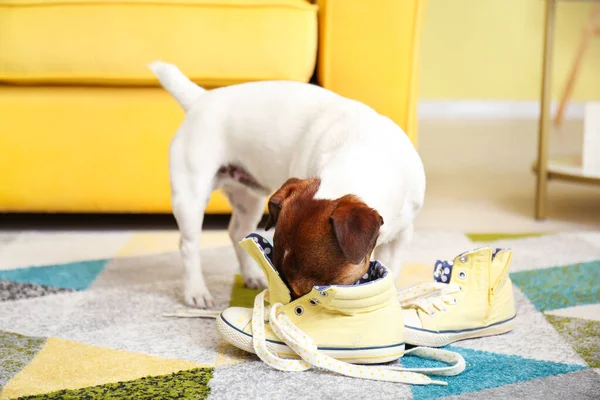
544 123
586 38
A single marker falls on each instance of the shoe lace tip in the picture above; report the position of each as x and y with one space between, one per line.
441 383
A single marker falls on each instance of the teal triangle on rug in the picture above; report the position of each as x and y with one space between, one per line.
76 275
485 370
560 287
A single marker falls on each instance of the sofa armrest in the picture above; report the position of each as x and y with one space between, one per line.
369 51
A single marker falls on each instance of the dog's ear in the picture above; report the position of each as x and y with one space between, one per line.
277 199
356 228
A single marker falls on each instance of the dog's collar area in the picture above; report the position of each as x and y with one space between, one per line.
375 272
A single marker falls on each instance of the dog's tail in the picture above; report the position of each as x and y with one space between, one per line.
176 83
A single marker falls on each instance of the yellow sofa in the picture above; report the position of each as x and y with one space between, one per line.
84 126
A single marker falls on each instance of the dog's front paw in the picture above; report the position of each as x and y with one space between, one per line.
197 295
255 279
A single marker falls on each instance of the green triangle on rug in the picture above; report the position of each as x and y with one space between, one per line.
241 296
16 351
492 237
583 335
188 384
485 370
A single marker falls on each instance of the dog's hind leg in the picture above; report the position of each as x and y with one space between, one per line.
248 208
191 186
189 213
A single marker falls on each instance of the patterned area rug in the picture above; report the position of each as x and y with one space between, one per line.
81 316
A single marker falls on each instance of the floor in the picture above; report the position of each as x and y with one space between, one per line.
479 180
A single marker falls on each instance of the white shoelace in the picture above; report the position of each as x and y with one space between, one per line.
429 297
193 313
310 355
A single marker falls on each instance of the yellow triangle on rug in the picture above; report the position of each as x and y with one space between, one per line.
63 364
152 242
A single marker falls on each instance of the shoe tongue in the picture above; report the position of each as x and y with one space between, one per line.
261 251
442 272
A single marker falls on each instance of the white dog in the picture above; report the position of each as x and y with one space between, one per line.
250 139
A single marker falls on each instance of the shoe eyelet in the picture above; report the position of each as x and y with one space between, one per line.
464 259
299 310
462 275
313 302
324 294
454 301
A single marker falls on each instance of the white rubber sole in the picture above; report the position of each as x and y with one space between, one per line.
422 337
367 355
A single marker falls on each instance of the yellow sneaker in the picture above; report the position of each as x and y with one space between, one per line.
470 297
333 327
357 324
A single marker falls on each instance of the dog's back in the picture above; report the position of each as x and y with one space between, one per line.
278 129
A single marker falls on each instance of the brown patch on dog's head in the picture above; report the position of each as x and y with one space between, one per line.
320 242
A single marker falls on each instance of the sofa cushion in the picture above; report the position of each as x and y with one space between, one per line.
215 42
88 150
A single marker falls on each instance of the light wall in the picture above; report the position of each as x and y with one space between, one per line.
492 50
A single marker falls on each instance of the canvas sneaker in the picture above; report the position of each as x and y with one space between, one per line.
470 297
333 327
